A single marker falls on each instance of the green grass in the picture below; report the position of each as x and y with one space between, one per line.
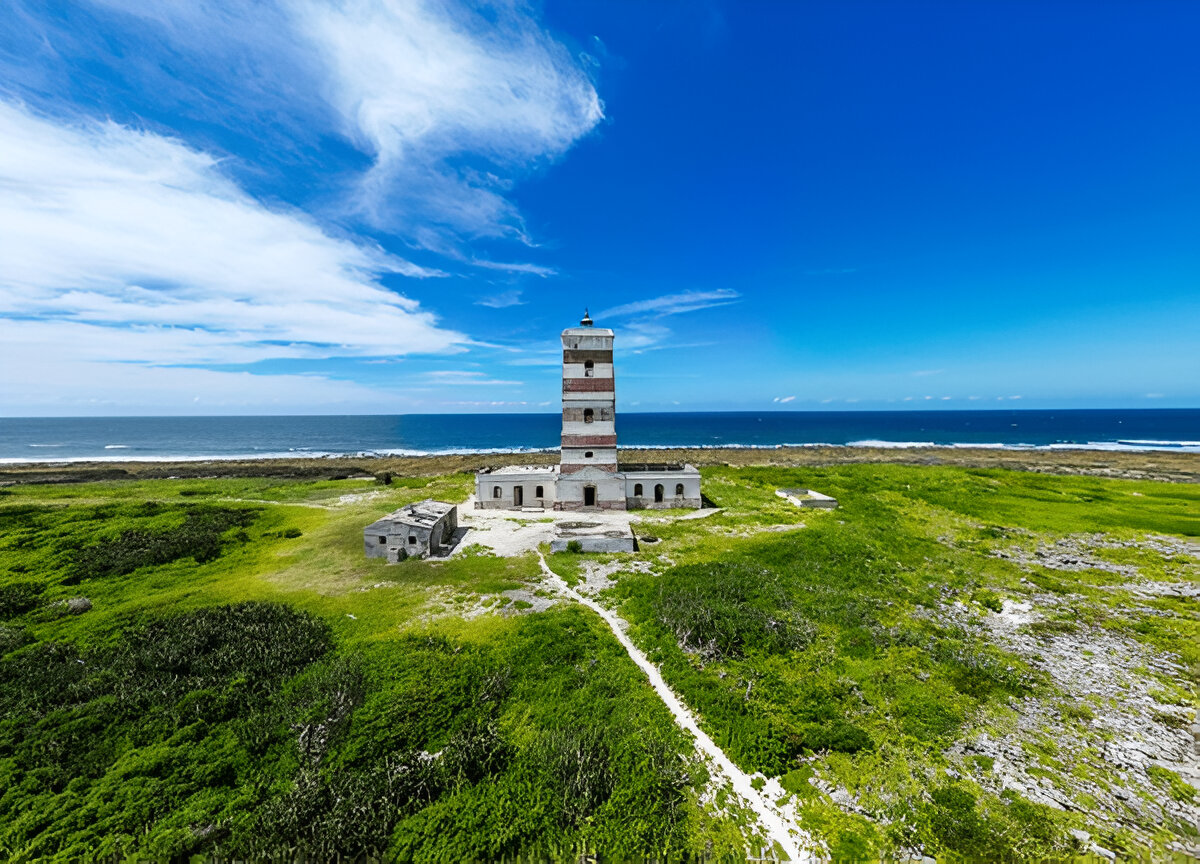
875 689
246 680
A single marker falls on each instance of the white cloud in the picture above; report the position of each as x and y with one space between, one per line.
502 300
452 101
673 304
421 84
52 386
514 267
121 246
459 378
782 399
922 373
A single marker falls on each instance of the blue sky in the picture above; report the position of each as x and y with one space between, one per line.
393 207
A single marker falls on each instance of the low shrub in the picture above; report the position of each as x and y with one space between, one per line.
17 598
721 610
199 537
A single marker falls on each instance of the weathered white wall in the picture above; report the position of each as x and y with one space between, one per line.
587 339
690 479
610 490
596 427
579 370
600 456
485 484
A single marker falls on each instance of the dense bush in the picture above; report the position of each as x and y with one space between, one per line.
720 610
238 731
151 715
199 537
19 597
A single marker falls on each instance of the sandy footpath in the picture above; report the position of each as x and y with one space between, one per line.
780 829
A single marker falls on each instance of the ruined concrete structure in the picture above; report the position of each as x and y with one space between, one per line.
413 531
589 475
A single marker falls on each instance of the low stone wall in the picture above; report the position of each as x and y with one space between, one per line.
666 504
599 505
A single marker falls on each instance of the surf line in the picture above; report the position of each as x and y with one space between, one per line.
770 819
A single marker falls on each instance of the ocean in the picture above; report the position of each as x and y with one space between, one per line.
58 439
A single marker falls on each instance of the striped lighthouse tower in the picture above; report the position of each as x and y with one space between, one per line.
589 428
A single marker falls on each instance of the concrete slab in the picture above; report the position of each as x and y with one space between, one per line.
807 498
593 537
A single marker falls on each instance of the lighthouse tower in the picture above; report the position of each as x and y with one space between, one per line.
588 476
588 461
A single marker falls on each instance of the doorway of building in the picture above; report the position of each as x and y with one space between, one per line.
589 496
518 495
658 494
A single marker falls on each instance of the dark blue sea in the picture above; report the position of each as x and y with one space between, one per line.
177 438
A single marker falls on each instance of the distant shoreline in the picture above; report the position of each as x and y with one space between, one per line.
1168 464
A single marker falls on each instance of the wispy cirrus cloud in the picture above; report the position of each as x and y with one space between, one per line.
119 246
419 85
674 304
467 378
502 300
450 103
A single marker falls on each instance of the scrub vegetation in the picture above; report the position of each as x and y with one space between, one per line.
211 666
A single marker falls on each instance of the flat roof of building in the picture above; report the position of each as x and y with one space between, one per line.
423 513
637 467
522 469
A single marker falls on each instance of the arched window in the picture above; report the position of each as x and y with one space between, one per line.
589 369
678 488
637 490
588 415
587 454
495 491
658 493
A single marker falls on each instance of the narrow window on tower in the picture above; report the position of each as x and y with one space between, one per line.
588 415
678 488
637 490
588 369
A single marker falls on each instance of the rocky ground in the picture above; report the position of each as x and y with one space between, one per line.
1113 736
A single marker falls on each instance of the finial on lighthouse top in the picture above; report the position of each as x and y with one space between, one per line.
587 319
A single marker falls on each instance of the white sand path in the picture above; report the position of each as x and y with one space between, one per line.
788 837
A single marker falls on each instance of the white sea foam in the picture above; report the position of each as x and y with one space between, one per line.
116 446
